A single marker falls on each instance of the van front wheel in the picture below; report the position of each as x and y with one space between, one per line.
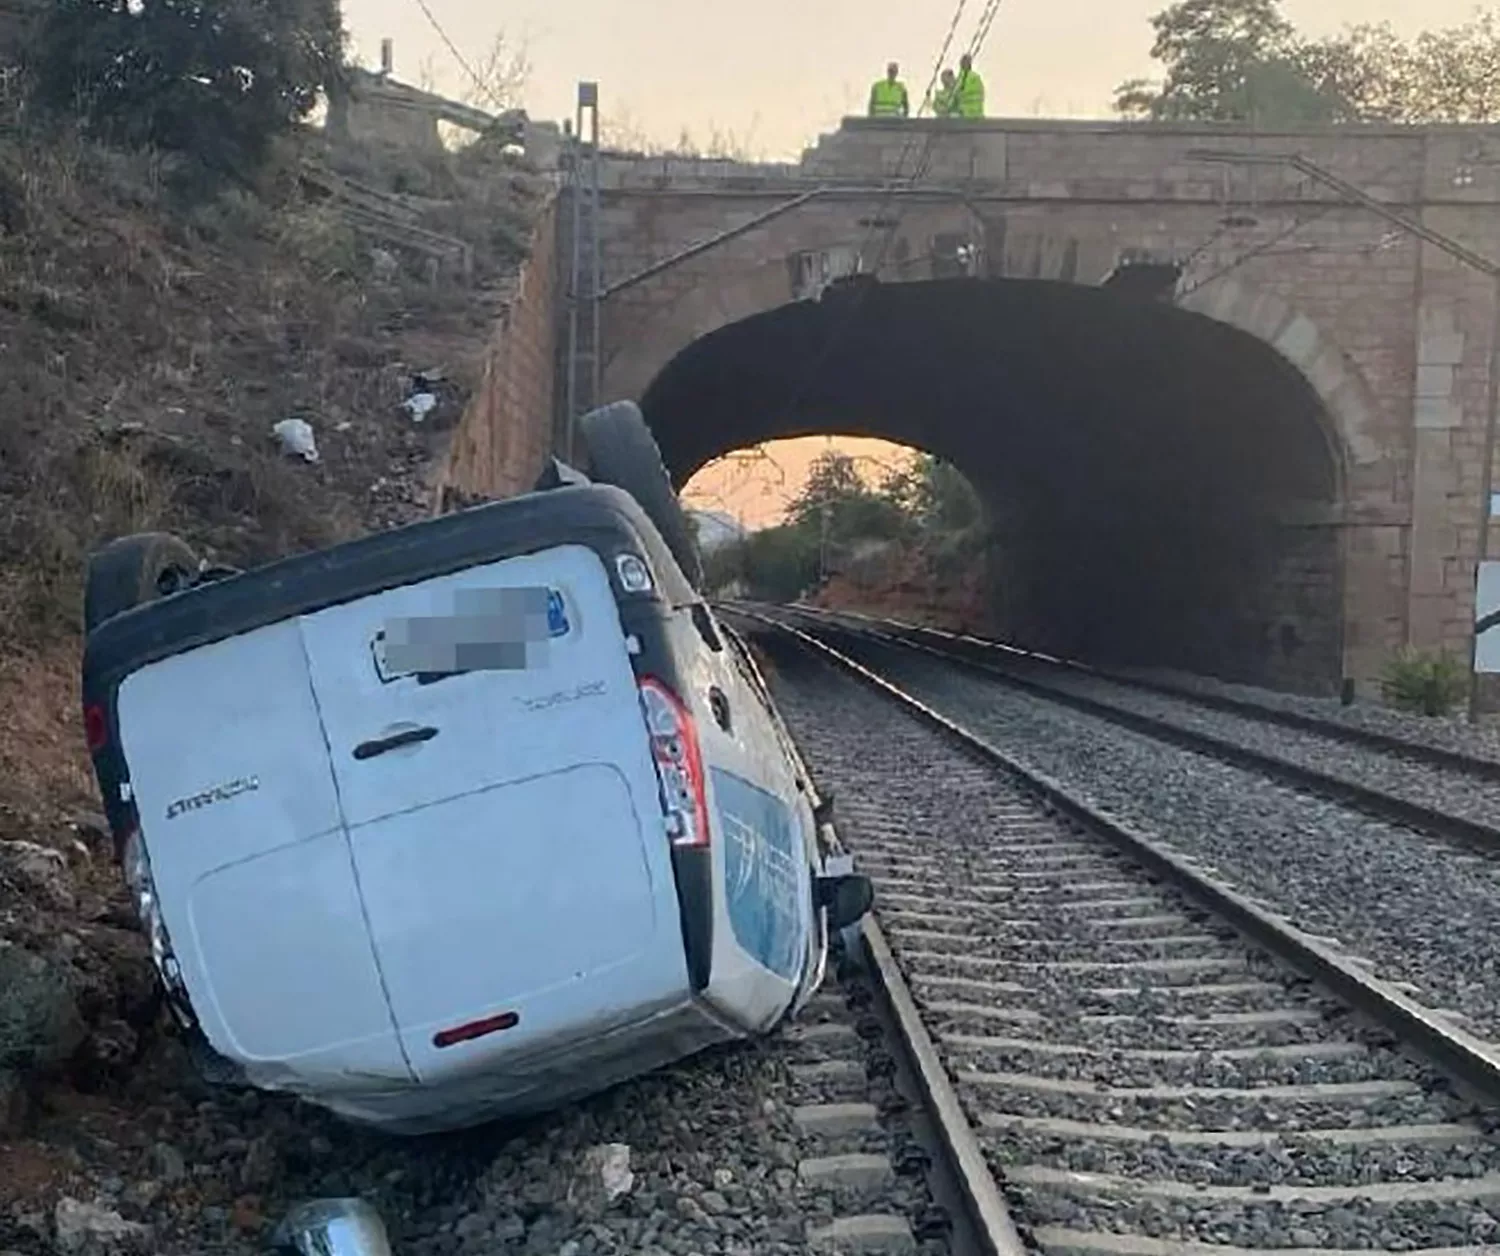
132 570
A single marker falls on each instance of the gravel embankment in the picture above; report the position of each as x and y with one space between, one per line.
1451 732
1096 1023
1422 911
1452 791
726 1154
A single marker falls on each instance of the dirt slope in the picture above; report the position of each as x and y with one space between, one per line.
907 582
146 351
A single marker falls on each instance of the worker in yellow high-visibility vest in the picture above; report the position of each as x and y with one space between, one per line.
945 99
888 97
970 89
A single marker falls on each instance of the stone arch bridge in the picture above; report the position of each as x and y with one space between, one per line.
1223 418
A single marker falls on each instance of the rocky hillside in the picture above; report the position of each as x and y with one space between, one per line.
149 346
910 583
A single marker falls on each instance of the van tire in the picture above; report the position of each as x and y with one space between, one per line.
132 570
621 451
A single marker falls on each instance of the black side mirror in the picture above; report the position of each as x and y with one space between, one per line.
847 897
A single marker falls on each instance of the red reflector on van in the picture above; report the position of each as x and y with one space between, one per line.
475 1029
95 727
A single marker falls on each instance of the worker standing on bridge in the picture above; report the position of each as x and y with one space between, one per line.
945 99
970 89
888 97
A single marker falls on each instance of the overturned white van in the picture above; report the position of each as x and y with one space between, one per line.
459 820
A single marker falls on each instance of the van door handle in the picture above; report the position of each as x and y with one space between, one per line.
408 737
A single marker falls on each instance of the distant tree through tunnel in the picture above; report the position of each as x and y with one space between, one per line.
1160 485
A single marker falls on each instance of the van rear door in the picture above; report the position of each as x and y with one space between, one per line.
241 821
502 805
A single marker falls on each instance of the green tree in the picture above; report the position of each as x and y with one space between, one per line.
837 498
935 495
1450 75
1226 60
1241 61
927 502
217 80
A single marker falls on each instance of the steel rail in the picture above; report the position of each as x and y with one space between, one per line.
1378 803
1461 1055
989 1218
1393 743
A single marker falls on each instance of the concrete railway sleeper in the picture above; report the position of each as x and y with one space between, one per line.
1433 743
1151 1063
1429 788
1325 860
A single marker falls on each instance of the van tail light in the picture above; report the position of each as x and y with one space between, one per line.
679 764
95 727
136 864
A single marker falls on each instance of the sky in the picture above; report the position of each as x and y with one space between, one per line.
771 75
764 79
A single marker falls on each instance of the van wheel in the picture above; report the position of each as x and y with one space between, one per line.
621 451
132 570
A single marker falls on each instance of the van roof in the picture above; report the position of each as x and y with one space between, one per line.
606 519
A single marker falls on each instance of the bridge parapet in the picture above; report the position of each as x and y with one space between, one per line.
1095 160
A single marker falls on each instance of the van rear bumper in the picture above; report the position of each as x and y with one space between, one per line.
539 1077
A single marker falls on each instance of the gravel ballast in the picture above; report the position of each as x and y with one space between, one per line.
1422 911
730 1153
1074 1056
1448 790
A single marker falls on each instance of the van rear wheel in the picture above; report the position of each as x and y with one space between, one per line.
132 570
621 451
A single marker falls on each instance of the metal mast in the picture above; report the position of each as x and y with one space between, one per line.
584 285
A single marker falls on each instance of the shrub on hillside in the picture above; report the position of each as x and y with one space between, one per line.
772 565
215 80
1426 684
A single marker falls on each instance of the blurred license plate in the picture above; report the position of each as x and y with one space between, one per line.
488 630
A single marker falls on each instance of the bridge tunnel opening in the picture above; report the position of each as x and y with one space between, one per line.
861 524
1160 488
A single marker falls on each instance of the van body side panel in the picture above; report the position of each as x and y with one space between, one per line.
533 898
240 818
760 933
530 811
761 885
512 857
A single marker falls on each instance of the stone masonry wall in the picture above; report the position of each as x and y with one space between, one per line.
505 433
1390 331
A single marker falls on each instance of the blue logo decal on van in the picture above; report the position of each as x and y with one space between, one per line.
761 850
557 614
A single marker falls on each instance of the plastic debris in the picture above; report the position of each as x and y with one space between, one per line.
333 1227
615 1176
85 1228
384 264
420 405
296 437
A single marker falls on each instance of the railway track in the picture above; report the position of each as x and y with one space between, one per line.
1430 788
1148 1062
1458 747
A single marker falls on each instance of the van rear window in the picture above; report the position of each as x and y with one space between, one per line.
505 629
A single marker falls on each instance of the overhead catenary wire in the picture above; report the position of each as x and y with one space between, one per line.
896 183
452 47
1265 247
877 220
982 30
